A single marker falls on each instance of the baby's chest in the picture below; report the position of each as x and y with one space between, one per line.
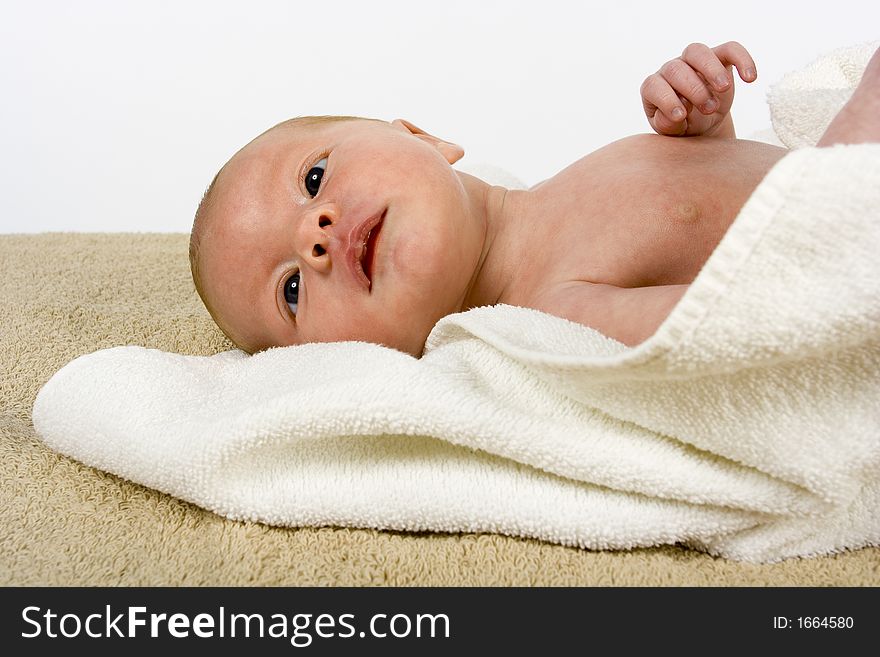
637 226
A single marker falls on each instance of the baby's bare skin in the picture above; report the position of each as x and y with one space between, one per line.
627 228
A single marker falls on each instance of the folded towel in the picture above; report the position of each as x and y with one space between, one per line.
747 426
803 103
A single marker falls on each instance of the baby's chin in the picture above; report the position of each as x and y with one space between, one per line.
408 332
413 345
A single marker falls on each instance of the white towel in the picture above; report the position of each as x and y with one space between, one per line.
804 102
748 425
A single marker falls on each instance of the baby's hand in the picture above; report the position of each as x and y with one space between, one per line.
692 94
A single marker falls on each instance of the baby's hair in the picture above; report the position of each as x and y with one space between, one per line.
202 212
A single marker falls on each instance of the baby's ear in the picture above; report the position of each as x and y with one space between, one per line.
452 152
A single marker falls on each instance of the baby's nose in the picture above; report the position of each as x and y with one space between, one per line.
314 240
321 238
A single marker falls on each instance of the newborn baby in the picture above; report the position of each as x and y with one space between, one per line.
341 228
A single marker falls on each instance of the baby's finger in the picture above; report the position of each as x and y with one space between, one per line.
702 58
666 126
660 98
688 105
689 84
734 53
666 113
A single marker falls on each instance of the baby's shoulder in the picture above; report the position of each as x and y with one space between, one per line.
639 143
609 161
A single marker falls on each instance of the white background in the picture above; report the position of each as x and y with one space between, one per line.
116 115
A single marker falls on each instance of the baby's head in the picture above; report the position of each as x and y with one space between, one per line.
336 228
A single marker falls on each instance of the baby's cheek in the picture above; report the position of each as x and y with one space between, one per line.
407 261
425 250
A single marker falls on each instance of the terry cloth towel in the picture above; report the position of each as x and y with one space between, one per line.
804 102
747 426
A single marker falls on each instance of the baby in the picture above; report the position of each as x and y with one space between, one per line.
341 228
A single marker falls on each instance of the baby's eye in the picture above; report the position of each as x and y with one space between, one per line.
313 177
291 291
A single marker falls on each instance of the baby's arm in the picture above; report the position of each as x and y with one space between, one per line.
628 314
692 94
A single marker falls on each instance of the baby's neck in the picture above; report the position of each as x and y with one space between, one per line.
504 212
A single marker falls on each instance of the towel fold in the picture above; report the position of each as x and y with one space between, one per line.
747 426
804 102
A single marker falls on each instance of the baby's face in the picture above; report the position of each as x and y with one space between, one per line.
354 230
